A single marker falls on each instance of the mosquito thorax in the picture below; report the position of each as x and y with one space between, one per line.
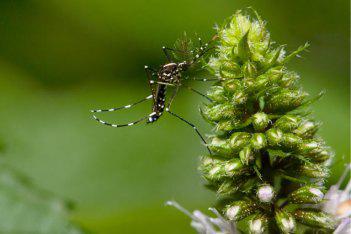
183 66
170 66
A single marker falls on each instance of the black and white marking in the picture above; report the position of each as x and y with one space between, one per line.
170 74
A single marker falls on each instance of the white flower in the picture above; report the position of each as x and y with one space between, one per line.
204 224
232 212
256 226
288 224
316 192
265 193
338 203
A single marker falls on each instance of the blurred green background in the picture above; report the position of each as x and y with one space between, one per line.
61 58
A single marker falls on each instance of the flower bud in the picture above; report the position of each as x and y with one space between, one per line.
220 146
260 121
260 82
238 140
275 74
229 70
239 98
231 85
307 129
310 147
314 218
217 112
216 173
239 210
291 141
286 100
289 79
274 137
287 123
227 188
249 84
226 125
314 171
233 167
249 69
213 169
322 156
285 222
265 193
315 150
258 224
208 161
246 155
307 194
258 141
217 93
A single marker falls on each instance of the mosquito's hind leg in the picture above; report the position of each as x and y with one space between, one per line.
184 120
119 125
193 126
198 92
124 107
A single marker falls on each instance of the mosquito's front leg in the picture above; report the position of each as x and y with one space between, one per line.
149 73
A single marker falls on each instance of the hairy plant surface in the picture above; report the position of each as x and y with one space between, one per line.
267 166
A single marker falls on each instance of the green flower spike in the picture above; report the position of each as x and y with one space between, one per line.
267 162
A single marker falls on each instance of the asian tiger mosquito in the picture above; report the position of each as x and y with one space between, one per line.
169 74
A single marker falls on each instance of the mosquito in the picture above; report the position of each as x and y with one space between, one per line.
169 74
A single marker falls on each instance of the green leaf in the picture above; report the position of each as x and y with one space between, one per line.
25 209
301 110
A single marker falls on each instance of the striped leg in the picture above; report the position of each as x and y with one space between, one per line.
184 120
119 125
202 52
198 92
124 107
168 55
193 126
198 53
204 79
149 74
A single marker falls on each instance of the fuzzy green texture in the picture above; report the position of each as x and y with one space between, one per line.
267 161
